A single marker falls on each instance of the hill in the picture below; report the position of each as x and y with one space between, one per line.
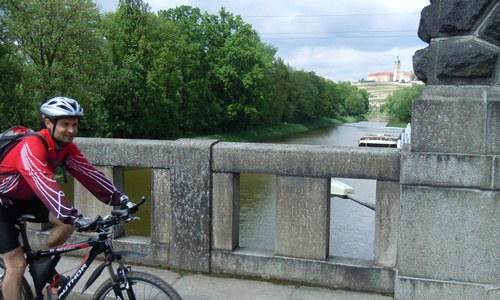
380 90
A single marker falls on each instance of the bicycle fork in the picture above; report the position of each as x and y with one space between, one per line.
120 281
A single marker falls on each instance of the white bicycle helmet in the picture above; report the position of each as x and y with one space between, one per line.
61 107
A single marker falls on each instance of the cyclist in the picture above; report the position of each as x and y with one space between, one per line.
27 186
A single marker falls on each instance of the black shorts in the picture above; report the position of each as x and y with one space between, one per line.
9 239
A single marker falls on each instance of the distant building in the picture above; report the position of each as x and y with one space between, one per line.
380 77
396 76
397 70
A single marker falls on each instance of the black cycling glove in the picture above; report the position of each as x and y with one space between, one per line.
127 204
87 224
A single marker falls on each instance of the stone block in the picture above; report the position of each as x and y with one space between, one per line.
127 152
225 210
302 217
489 30
335 273
307 160
451 17
191 208
387 224
445 121
421 63
449 234
414 288
448 170
161 207
465 59
496 180
493 125
493 293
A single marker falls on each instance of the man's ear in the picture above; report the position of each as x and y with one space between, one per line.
47 122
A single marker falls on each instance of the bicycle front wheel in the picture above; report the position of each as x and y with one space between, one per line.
143 285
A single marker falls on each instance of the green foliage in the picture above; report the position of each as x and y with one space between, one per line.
143 75
400 102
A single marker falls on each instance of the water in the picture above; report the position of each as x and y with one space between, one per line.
352 227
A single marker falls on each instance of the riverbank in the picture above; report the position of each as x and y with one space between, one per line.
281 129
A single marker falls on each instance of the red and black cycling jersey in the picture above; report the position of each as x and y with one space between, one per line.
25 174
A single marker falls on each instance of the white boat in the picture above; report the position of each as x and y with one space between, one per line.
387 137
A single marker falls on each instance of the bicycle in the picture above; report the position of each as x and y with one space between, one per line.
122 284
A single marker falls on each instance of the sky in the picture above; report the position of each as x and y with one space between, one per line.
342 40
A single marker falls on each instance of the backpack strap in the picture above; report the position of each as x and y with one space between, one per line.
61 164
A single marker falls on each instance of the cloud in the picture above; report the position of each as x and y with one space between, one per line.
347 63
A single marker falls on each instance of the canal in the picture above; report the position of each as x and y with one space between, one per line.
352 226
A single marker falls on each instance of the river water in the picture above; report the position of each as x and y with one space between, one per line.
352 226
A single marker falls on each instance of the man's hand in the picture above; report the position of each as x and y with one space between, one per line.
125 203
87 224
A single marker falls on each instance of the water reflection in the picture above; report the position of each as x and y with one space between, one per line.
257 210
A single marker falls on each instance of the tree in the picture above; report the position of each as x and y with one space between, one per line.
12 106
225 73
400 102
58 45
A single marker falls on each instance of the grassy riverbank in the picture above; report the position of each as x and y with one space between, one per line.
282 129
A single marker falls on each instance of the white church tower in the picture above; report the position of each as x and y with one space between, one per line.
397 70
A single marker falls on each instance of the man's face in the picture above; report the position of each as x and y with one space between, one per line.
65 129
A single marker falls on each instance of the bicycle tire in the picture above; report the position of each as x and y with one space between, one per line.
26 292
145 286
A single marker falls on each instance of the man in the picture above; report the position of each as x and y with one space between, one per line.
28 186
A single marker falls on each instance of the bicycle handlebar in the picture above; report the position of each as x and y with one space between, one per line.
117 216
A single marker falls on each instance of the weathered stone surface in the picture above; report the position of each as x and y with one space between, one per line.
446 170
465 60
425 24
493 126
302 217
341 273
307 160
421 63
458 16
449 234
190 199
411 288
493 293
496 181
387 224
161 221
450 18
490 31
447 126
225 210
458 53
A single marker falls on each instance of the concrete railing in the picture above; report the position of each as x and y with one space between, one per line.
195 207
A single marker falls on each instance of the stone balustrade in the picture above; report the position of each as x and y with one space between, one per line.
195 207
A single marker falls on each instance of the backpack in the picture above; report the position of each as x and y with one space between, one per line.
12 136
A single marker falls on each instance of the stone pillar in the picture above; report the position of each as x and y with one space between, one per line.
161 211
190 199
450 197
387 224
302 217
225 211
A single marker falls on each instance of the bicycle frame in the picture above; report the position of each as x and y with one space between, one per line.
99 244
